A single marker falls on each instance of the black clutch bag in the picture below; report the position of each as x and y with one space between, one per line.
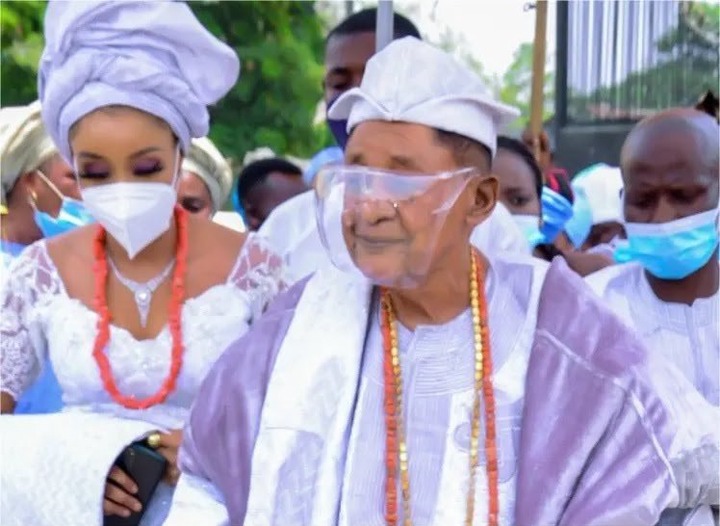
146 467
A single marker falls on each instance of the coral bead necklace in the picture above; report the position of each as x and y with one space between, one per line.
396 454
174 319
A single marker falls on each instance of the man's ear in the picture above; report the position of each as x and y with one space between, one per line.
485 192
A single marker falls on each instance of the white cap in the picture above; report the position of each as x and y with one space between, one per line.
603 185
412 81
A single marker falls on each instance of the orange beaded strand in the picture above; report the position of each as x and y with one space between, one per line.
100 268
395 447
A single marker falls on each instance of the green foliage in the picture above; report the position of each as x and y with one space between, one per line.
280 44
21 45
515 86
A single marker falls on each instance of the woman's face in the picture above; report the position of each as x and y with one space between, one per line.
517 184
193 195
121 144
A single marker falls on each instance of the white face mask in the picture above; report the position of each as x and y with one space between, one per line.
134 213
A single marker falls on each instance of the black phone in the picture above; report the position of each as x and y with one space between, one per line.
146 467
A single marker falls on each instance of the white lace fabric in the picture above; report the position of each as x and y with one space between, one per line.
39 320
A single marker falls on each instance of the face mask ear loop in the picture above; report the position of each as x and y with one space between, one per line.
176 169
50 184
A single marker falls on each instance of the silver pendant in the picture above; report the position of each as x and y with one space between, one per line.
143 298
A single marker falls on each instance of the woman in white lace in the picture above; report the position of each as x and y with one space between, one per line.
133 311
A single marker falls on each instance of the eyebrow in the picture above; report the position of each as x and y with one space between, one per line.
338 70
403 162
139 153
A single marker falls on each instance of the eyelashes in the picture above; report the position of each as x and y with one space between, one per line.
101 170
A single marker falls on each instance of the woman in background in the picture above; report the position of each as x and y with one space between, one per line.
39 197
39 200
545 213
206 179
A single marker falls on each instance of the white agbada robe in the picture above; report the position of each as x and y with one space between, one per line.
688 335
292 232
438 365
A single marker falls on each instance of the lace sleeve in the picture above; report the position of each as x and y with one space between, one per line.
260 272
28 280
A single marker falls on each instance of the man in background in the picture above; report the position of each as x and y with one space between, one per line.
265 184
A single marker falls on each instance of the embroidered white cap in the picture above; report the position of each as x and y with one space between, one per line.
413 81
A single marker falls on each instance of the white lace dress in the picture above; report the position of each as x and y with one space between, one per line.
41 321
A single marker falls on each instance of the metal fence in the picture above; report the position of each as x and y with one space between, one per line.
622 60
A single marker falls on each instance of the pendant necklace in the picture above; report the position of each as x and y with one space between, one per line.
142 292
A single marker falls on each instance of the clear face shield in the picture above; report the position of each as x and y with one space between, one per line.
383 225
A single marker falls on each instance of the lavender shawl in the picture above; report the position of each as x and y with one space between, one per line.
608 435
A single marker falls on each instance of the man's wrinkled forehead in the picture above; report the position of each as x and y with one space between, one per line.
402 146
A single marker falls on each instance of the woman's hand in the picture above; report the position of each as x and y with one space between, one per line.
119 494
120 489
168 446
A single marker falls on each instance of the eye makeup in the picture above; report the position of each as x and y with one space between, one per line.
101 169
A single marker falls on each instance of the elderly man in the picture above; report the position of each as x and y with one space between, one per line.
422 382
291 228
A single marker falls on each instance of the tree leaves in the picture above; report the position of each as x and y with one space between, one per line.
280 44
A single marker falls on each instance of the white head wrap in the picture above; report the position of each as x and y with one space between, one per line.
205 160
412 81
24 145
154 56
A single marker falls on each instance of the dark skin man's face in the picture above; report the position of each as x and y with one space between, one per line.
265 196
345 59
667 176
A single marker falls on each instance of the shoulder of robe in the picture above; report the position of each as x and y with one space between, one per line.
573 317
250 359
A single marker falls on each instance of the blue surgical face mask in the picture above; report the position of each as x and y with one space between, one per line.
671 250
72 214
556 211
530 227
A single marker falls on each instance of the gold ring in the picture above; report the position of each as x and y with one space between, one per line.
153 440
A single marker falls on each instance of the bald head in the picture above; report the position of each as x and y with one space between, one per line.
671 164
700 131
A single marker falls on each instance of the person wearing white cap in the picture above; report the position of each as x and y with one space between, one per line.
419 381
133 310
291 229
206 179
602 185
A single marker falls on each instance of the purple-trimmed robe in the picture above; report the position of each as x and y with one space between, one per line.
599 435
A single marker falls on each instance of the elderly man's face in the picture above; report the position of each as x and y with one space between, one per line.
667 176
386 240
